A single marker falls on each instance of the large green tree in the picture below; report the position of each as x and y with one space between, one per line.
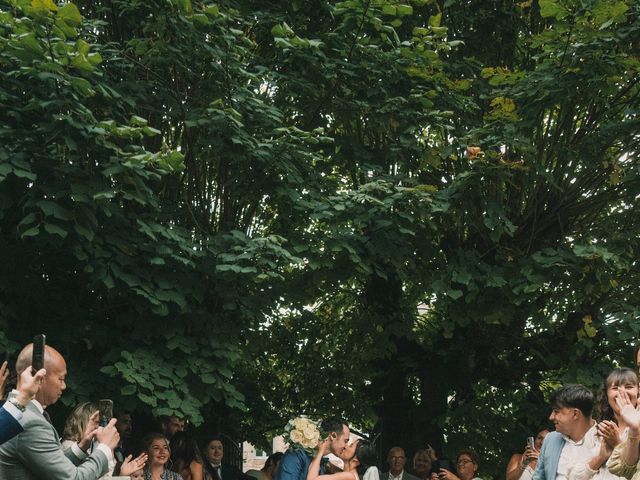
450 288
419 215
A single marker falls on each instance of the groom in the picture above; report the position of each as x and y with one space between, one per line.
295 463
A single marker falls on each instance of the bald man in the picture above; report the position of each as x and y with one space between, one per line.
36 454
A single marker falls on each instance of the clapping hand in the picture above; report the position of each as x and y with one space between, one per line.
610 433
129 466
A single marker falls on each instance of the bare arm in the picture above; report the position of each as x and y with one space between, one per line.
514 467
314 468
631 416
196 470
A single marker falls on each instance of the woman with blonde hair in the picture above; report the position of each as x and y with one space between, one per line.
79 431
423 461
157 447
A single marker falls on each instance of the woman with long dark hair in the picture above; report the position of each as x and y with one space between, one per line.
186 457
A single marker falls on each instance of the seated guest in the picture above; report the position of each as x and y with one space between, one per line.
396 459
185 456
467 464
157 448
214 469
11 412
522 465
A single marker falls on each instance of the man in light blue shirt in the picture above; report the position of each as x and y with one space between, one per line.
574 451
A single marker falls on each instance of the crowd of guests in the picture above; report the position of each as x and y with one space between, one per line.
95 444
590 437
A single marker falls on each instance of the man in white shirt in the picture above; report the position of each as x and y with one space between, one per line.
574 451
397 460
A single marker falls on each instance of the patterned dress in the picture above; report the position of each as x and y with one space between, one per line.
166 475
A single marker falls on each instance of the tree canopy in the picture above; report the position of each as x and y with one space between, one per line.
418 215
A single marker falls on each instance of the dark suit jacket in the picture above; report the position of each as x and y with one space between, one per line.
229 472
36 454
9 426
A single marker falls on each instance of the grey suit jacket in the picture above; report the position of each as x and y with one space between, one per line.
36 454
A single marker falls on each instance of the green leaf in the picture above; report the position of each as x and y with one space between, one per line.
70 15
30 232
455 294
389 10
552 9
404 10
55 230
43 6
128 390
82 85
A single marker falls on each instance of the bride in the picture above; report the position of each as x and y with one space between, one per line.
358 456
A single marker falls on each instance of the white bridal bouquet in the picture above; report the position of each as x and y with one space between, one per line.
302 433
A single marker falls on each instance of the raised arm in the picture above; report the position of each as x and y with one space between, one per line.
314 468
515 467
623 463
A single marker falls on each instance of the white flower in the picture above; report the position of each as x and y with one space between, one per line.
302 433
296 436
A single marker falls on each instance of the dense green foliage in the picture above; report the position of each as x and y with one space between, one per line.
419 215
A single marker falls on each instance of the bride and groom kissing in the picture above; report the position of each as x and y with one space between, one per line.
358 456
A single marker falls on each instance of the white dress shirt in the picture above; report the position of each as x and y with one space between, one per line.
399 477
575 458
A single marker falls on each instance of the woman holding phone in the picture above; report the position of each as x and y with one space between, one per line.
467 465
522 465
